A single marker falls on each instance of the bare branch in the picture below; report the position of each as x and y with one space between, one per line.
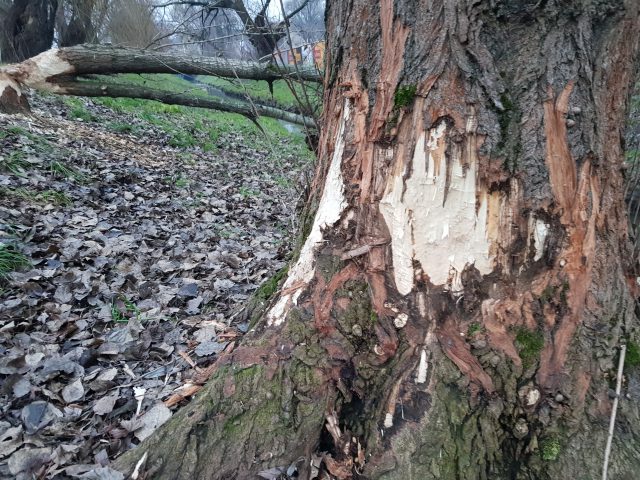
295 11
109 89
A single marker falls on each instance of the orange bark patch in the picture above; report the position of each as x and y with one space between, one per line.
393 38
324 293
562 168
458 352
578 200
497 317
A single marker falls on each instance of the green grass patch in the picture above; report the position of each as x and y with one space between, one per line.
11 259
121 127
15 162
207 129
12 130
247 192
59 169
181 182
259 90
46 196
78 110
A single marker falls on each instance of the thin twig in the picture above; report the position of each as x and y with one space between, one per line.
614 410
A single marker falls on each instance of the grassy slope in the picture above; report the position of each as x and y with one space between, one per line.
181 123
260 90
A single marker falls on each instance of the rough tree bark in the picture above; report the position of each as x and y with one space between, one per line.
27 29
457 307
80 28
57 71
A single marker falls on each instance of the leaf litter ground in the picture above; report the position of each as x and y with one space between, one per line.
141 256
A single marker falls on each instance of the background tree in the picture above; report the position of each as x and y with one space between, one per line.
261 31
27 29
80 21
131 23
209 32
309 21
458 304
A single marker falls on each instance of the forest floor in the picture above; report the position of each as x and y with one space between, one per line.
131 236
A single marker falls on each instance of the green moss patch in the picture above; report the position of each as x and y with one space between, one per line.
529 345
550 449
270 287
632 357
404 96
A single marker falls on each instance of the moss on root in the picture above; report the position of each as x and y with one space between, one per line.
270 287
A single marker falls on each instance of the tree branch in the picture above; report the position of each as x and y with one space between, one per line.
115 90
101 59
295 11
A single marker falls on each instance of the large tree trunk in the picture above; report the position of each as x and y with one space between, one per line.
457 307
80 28
58 71
27 29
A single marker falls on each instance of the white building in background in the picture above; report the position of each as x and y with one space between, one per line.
299 52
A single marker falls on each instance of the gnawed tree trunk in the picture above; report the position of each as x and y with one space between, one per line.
57 71
457 307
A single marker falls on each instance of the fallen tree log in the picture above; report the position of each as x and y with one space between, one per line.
116 90
57 71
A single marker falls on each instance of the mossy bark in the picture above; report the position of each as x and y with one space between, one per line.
456 309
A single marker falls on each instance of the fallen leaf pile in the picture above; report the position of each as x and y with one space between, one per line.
141 257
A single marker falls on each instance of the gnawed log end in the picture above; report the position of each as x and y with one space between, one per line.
12 100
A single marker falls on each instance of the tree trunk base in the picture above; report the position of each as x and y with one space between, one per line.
12 100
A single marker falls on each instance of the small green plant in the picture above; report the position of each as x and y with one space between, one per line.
181 182
55 197
123 309
61 170
248 192
11 260
77 110
550 449
404 96
530 345
474 328
12 130
121 127
15 163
